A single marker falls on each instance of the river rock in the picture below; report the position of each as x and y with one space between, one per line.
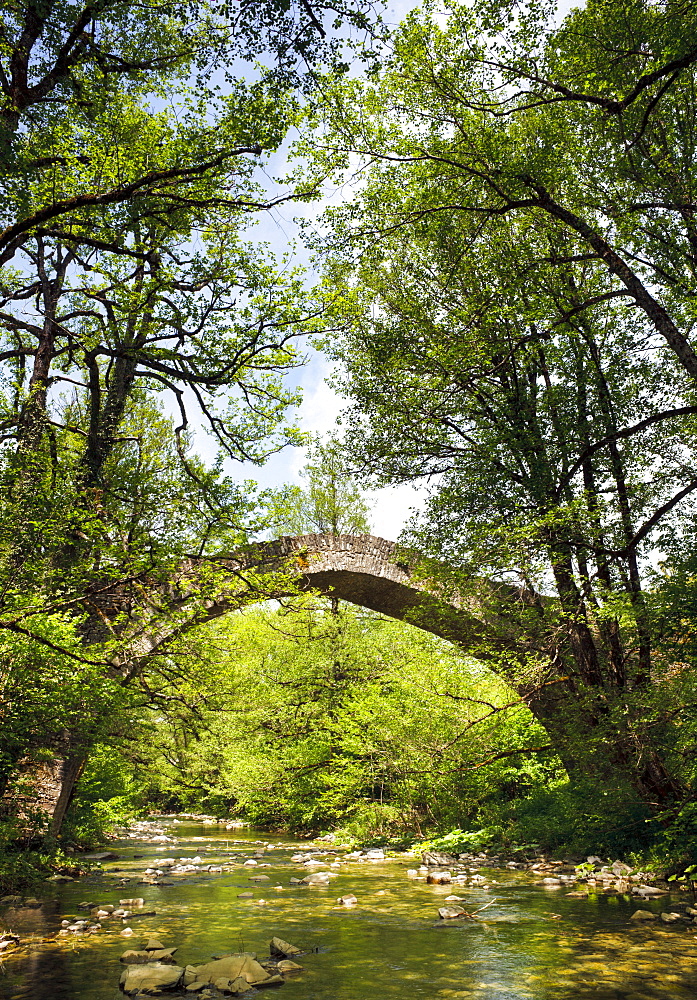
32 903
101 856
318 878
648 891
231 968
450 912
126 932
347 900
10 900
238 985
142 957
138 901
154 945
439 878
643 915
438 858
670 918
619 868
277 946
8 941
285 966
150 978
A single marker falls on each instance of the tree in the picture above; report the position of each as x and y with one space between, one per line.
515 284
127 180
332 504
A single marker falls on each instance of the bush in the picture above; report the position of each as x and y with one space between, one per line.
679 840
579 820
461 842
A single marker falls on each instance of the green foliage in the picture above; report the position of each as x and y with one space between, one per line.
580 819
679 840
130 289
515 297
107 794
331 504
459 842
25 870
313 718
50 687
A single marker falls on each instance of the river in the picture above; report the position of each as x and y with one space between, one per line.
532 943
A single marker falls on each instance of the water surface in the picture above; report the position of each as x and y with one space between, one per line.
533 943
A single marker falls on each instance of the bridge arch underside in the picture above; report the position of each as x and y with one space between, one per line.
378 574
400 601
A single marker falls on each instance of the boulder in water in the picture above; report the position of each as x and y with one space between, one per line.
285 966
648 891
133 957
277 946
231 968
439 878
238 985
318 878
154 945
150 978
8 941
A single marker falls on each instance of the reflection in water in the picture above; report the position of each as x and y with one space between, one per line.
531 943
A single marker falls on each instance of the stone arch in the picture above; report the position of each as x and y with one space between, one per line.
365 570
381 575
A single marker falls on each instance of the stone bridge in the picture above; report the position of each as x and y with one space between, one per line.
476 614
383 576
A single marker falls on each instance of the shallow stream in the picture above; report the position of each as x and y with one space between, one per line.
532 943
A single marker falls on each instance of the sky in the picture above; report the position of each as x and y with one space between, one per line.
391 507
